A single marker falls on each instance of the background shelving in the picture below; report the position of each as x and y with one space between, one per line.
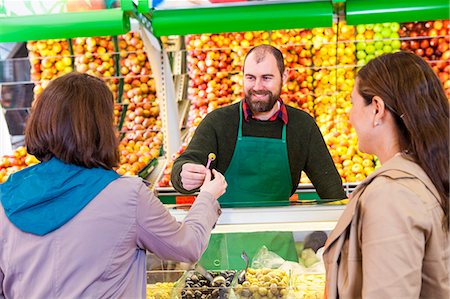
321 62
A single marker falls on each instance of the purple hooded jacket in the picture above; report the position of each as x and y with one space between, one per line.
100 252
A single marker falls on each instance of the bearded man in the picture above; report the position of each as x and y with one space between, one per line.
261 144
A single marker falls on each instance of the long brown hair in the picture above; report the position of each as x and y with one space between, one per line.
72 120
415 96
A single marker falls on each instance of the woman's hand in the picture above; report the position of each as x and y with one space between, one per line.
217 186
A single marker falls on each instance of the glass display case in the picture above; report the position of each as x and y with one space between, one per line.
284 261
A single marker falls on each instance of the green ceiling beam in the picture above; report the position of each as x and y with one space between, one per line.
380 11
64 25
242 18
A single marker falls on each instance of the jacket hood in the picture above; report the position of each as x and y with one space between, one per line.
41 198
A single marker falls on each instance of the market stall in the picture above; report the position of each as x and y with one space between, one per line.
168 67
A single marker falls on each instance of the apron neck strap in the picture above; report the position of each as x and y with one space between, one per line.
240 122
283 135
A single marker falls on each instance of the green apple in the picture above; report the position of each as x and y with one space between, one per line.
360 28
387 49
396 44
377 36
369 57
378 27
378 52
379 45
370 49
386 32
395 27
360 46
394 35
361 55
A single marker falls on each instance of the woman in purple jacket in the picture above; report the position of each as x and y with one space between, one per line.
71 227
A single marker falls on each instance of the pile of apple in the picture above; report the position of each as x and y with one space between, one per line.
95 56
49 59
19 159
208 78
213 62
139 84
430 40
372 40
342 141
141 124
324 57
335 56
427 39
117 114
136 153
296 44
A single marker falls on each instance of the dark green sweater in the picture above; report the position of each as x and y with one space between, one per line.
307 151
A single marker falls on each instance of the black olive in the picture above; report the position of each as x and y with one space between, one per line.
189 295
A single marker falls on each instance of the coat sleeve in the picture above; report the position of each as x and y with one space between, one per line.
202 143
393 230
320 167
159 232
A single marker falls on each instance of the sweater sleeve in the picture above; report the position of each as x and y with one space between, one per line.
320 167
202 143
159 232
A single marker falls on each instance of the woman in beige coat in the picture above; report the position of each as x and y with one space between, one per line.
392 240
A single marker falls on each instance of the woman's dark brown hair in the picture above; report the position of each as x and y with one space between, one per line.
72 120
414 95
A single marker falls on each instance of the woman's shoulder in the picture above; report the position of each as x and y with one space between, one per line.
396 186
124 185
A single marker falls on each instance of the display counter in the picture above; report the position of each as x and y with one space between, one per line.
294 218
274 277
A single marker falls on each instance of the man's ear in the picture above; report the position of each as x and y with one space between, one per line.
285 77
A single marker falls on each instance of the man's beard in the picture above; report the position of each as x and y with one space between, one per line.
265 105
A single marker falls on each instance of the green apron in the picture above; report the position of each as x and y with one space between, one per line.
258 175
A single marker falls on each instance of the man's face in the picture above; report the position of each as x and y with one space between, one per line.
262 82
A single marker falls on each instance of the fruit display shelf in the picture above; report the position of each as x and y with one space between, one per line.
18 160
322 64
122 63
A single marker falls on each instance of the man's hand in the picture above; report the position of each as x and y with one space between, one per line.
192 175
